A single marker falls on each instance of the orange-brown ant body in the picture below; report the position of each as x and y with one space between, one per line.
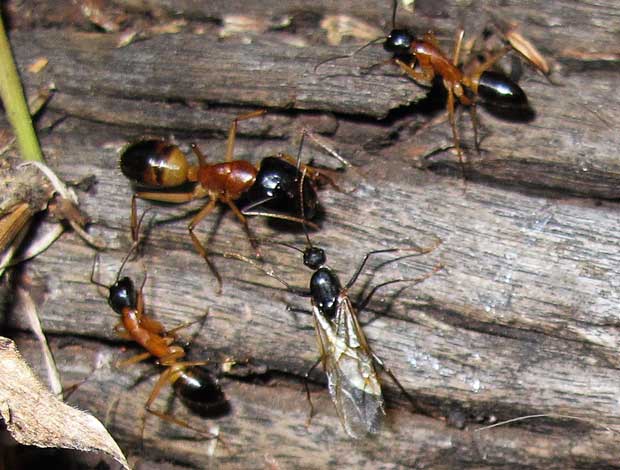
160 165
191 381
423 60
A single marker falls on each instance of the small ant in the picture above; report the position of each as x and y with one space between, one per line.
270 191
191 381
347 358
491 87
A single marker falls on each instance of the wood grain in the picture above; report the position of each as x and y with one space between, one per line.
521 321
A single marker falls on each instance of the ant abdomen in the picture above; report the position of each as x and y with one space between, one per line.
200 392
496 89
154 163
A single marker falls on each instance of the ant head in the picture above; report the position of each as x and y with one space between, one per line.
122 295
398 42
314 257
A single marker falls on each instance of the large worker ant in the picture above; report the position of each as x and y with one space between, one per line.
423 60
270 191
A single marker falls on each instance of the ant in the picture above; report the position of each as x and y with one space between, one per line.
191 381
466 86
270 190
347 358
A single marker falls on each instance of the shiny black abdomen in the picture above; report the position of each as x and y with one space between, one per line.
201 392
496 89
277 184
325 289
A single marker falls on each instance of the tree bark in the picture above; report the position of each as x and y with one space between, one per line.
520 321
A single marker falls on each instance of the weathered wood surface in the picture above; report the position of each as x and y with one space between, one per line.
523 320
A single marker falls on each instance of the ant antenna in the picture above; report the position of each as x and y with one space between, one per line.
338 57
301 144
133 247
395 3
303 212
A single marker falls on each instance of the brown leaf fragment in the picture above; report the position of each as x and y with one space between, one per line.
35 417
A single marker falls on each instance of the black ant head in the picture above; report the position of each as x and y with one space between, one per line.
314 257
398 42
122 295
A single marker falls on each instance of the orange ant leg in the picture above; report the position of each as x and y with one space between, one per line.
169 376
313 173
121 332
133 359
457 47
246 227
455 135
176 198
451 111
232 132
173 332
172 356
206 210
425 76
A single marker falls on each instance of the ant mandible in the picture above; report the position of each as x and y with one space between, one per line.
270 191
191 381
493 88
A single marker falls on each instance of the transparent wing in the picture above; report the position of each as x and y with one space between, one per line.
351 377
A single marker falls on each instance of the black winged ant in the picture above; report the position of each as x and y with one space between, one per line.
348 360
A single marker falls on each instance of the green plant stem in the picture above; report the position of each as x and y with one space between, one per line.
15 104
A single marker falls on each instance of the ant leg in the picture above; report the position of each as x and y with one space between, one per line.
182 326
474 77
430 37
246 227
455 134
134 359
172 356
315 174
321 143
457 47
425 76
307 388
169 376
176 198
418 250
383 367
121 332
474 122
363 263
232 132
416 280
206 210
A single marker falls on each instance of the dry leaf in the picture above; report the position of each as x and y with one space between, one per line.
35 417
